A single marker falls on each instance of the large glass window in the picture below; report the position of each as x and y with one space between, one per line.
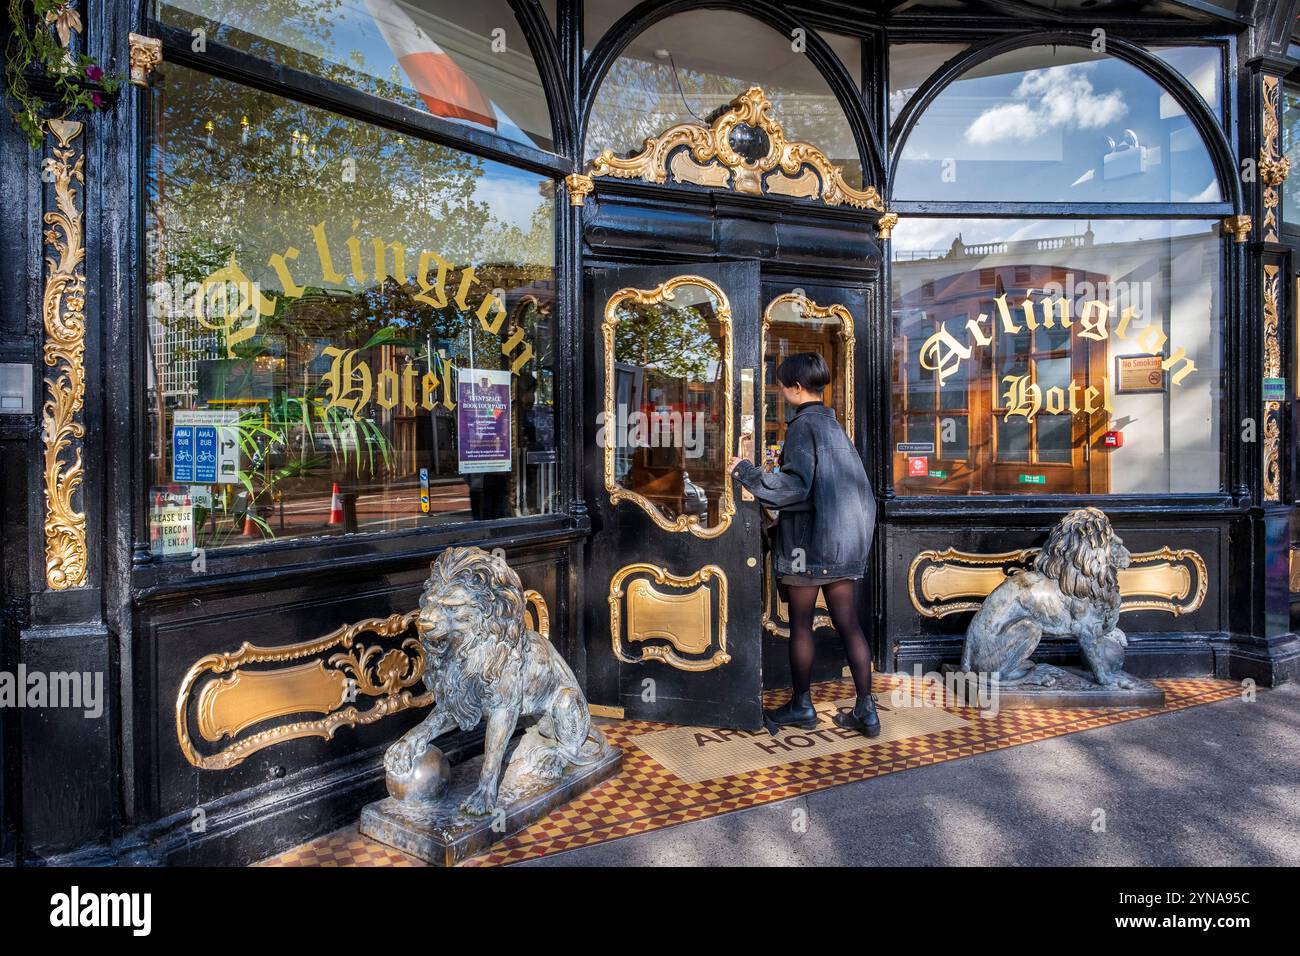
1055 124
1291 149
350 329
468 63
1057 356
684 67
910 65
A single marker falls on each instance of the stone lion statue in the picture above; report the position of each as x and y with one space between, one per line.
1072 591
482 661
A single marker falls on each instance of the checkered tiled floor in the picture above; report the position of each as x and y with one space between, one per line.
645 796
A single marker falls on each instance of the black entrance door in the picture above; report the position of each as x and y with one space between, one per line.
674 577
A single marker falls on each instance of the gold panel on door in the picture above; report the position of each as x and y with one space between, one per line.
659 606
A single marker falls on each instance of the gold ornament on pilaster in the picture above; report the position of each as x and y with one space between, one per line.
146 53
788 168
579 186
1272 369
1238 227
1273 166
885 225
63 310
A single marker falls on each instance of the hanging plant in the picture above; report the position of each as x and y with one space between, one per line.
42 41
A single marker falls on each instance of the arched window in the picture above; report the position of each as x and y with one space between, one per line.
1057 351
1055 124
684 67
468 63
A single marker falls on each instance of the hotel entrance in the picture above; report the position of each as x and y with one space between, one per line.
693 296
682 371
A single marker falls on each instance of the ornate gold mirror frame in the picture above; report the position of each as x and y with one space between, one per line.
617 493
776 619
788 168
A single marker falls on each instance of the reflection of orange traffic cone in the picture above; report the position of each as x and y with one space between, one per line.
251 529
336 506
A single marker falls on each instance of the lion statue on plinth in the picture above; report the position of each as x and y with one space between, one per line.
1072 591
481 660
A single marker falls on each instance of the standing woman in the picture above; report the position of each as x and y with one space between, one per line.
823 537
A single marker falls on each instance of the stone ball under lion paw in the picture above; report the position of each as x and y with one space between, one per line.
424 781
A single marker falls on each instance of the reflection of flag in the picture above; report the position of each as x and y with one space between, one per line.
446 89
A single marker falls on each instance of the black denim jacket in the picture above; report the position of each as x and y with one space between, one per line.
828 510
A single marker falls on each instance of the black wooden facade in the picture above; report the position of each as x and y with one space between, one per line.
121 789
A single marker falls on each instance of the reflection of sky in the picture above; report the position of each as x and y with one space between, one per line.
1060 133
350 40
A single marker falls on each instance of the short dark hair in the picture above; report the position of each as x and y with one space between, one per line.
805 369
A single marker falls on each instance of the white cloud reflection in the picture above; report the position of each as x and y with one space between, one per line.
1066 99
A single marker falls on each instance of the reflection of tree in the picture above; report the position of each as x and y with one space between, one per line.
675 341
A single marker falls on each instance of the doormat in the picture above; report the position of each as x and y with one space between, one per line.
648 795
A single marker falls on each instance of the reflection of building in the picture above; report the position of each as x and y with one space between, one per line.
1172 433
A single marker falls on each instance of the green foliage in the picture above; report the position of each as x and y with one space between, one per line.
40 34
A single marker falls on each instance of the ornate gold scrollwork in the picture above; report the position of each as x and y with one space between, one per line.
665 293
1273 166
1238 227
63 308
1272 369
536 615
228 705
146 53
685 621
940 583
785 168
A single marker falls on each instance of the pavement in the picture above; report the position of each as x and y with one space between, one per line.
1217 784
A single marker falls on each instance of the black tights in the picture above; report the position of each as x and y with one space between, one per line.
840 599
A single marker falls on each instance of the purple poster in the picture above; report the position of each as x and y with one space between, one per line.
483 420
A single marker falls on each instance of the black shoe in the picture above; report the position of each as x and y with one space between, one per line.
863 718
796 712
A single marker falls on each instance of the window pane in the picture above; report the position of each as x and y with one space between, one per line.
670 390
957 430
1055 124
1291 147
468 63
910 65
1142 350
1013 439
366 355
1202 66
683 68
1055 443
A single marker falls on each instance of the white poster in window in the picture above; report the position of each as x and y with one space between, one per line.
483 420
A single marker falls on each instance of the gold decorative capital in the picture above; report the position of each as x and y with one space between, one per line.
885 225
704 155
579 185
1238 227
146 53
63 309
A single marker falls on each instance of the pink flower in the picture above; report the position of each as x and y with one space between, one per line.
94 73
97 100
